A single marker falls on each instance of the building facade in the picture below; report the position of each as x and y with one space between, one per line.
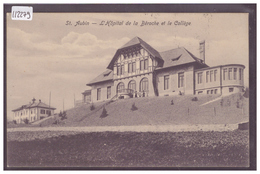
138 70
32 112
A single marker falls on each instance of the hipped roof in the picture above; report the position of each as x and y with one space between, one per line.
105 76
34 105
178 56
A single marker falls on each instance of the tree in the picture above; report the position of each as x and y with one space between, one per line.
134 107
92 107
104 113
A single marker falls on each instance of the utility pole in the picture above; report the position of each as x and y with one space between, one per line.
50 100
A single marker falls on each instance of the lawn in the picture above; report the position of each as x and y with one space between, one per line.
128 149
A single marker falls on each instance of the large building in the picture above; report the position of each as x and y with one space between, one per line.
32 112
138 70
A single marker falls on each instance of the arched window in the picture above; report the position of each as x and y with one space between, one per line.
144 85
120 87
132 85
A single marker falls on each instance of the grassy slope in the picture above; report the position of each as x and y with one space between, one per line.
159 111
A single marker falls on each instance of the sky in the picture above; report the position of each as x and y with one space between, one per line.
47 56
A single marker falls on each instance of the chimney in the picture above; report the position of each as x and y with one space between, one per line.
33 100
202 51
40 101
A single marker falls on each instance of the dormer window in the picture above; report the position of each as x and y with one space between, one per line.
177 58
107 73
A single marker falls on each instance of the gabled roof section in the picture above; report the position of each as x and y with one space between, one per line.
133 42
178 56
105 76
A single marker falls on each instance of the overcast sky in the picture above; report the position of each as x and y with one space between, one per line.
45 55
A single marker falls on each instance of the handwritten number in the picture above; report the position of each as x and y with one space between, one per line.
29 15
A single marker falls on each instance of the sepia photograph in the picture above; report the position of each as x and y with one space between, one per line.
127 87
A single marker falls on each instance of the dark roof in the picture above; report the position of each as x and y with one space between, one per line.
178 56
33 105
132 42
86 92
105 76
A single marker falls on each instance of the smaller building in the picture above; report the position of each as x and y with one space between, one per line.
86 96
32 112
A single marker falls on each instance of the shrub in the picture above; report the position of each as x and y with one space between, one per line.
194 99
60 114
56 122
64 115
221 102
134 107
92 107
104 113
238 106
26 121
246 94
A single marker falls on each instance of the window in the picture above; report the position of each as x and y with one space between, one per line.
47 112
120 87
166 82
200 92
231 89
109 92
98 93
211 76
199 77
207 76
118 70
146 64
133 67
122 69
212 91
42 111
130 68
216 91
208 91
229 73
141 65
235 73
215 75
144 85
180 80
240 74
132 85
224 74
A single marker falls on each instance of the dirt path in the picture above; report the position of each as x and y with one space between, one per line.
140 128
